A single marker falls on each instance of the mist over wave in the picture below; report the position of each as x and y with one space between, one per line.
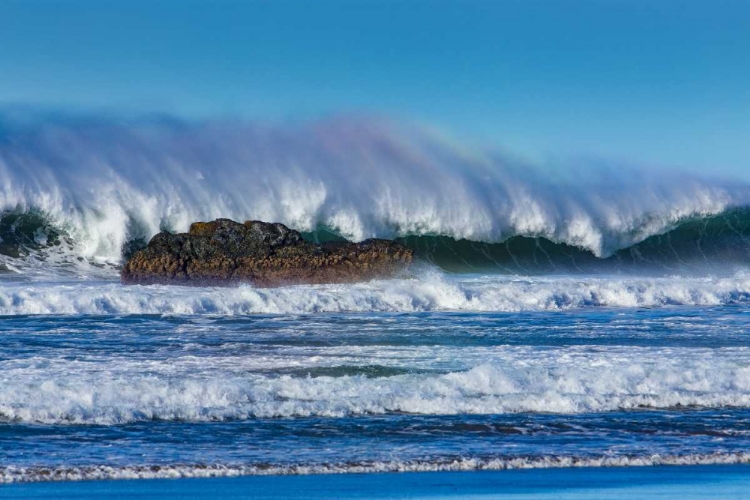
96 185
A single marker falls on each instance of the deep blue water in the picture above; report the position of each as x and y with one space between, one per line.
97 394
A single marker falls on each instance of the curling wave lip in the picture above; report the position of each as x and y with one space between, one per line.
107 183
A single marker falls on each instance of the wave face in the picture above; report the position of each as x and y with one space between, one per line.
710 243
94 189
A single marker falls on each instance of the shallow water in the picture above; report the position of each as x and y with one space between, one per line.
697 482
442 372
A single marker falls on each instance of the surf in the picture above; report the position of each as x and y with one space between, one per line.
88 191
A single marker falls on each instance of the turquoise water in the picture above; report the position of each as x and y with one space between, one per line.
698 482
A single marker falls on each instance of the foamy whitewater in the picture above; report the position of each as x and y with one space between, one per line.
558 315
105 182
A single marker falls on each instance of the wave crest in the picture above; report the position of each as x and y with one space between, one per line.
106 183
515 380
429 293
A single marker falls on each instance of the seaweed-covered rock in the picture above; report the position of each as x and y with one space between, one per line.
265 254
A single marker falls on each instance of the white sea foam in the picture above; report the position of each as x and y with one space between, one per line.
99 472
506 380
105 182
431 292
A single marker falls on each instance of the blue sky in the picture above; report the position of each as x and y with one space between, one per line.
658 82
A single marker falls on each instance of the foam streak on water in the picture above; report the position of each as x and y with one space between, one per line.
429 292
207 387
506 381
19 475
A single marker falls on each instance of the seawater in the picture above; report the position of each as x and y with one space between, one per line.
434 372
562 314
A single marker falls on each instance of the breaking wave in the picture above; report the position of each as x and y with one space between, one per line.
513 380
99 472
91 190
430 292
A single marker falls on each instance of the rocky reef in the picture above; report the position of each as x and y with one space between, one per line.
226 252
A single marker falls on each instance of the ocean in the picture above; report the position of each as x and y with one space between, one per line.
440 373
546 324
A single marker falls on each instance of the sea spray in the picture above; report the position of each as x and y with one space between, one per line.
105 183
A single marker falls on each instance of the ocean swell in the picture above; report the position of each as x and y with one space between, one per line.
100 187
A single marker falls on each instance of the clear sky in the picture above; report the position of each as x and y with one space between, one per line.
658 81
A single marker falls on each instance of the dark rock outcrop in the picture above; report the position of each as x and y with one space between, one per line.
226 252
